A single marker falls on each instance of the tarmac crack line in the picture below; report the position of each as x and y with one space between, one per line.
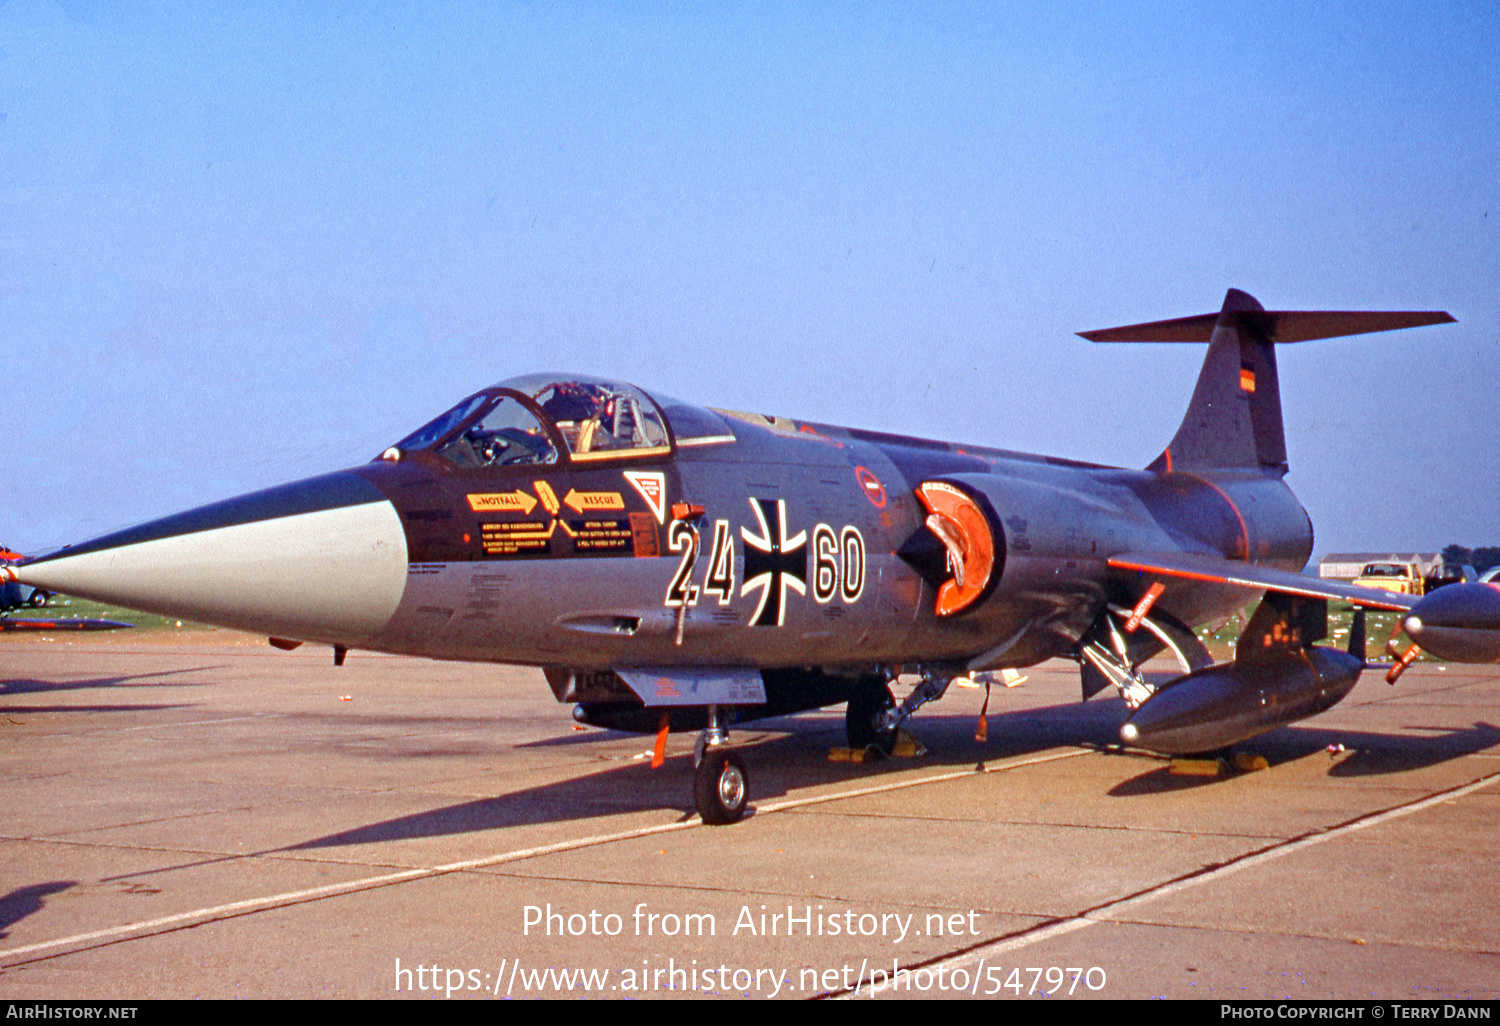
110 732
232 910
797 803
1114 910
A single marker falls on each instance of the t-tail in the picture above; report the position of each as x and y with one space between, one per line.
1234 419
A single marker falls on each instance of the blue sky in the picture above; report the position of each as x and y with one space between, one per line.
242 244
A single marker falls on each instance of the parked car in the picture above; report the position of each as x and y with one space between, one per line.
1403 578
1449 573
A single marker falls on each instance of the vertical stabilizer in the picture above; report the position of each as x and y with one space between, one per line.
1234 419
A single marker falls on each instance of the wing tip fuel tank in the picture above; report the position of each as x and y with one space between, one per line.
1460 622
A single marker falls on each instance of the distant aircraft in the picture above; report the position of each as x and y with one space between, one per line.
675 567
38 625
16 596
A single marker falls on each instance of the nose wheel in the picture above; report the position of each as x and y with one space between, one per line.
721 787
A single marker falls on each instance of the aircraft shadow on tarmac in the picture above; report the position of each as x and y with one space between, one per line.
781 763
29 686
777 763
1350 753
25 901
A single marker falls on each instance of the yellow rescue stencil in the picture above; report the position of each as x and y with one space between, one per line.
547 495
582 501
516 538
486 501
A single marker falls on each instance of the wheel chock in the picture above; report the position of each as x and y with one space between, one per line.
907 746
1196 768
1249 762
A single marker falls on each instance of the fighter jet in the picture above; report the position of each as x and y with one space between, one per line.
673 567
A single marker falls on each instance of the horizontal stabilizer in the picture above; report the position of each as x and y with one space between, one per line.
1194 567
1281 326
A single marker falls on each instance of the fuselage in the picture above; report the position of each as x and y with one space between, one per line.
717 540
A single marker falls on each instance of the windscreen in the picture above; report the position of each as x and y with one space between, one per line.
507 435
437 428
597 419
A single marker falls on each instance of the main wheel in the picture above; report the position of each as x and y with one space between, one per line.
39 598
721 788
867 706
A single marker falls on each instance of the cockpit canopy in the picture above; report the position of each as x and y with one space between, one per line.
537 418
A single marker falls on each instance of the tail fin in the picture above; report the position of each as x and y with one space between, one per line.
1234 419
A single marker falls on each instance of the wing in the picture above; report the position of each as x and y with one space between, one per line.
1195 567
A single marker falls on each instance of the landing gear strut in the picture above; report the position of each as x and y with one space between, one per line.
874 719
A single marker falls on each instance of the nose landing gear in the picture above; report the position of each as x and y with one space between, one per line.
721 784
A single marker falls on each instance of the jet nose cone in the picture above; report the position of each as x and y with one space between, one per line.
318 560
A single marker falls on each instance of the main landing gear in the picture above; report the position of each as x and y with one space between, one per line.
870 708
872 720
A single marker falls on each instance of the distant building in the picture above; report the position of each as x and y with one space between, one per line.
1345 566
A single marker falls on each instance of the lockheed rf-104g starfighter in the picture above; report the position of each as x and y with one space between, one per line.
673 567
